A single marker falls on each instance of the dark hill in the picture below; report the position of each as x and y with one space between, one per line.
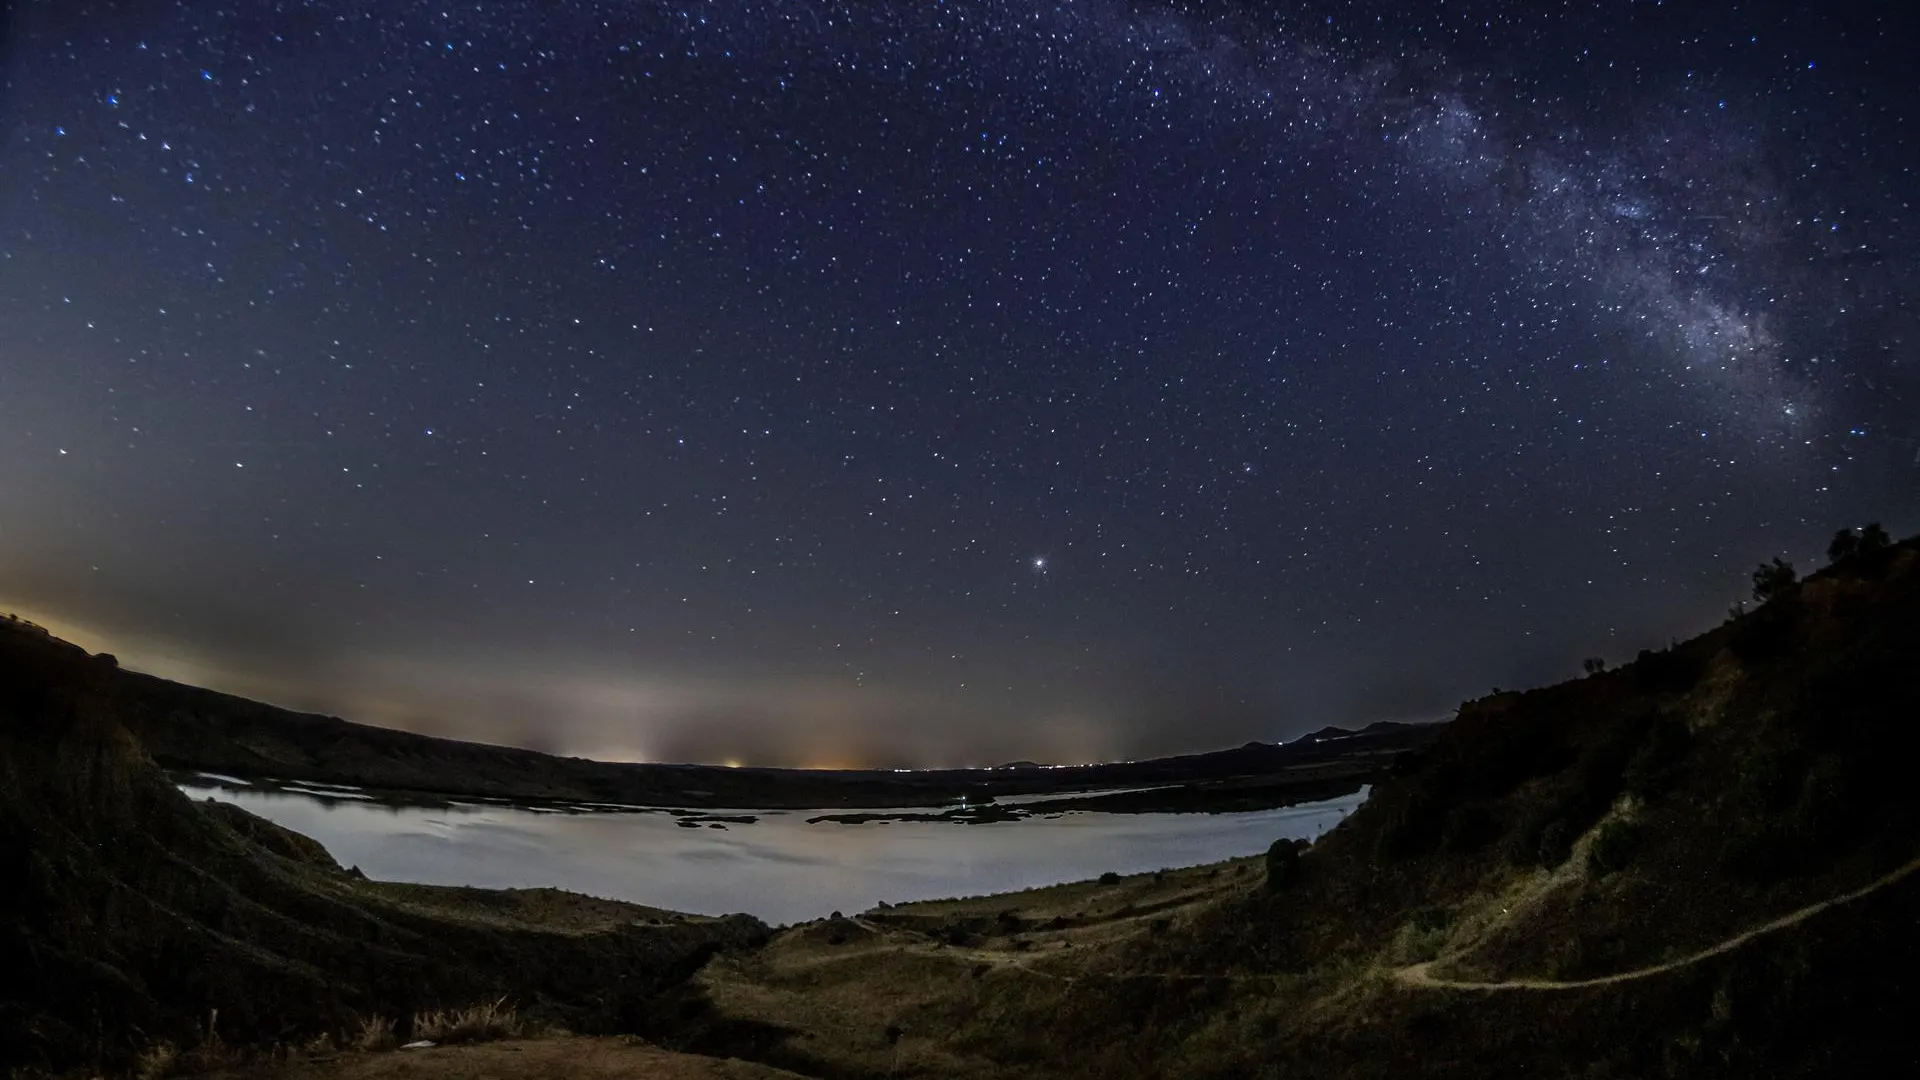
131 915
188 728
1633 826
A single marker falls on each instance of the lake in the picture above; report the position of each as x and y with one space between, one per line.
779 868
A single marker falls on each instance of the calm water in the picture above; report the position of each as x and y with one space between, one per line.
779 868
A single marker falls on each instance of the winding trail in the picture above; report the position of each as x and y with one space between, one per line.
1421 976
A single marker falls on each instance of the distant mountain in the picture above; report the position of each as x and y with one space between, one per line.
190 729
1378 728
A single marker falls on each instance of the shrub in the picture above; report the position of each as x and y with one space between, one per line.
1593 665
1665 670
1845 543
1828 801
1283 862
1773 578
1109 878
1556 843
1471 827
156 1061
1523 847
1517 753
1419 939
493 1020
1875 550
1655 766
1766 634
1768 780
1404 835
1613 847
376 1033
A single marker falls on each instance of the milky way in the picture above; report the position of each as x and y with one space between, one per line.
937 382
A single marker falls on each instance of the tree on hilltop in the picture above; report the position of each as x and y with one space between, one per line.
1773 578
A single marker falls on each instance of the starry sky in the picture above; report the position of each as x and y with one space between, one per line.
923 382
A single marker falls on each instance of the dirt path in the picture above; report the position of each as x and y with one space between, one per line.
1422 976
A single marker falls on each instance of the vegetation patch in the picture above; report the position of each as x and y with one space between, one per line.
477 1023
1613 846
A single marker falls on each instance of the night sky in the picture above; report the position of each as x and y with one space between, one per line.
912 382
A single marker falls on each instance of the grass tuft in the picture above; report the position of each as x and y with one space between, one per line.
156 1061
479 1023
376 1033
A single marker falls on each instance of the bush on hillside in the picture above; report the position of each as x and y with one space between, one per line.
1767 634
1556 843
1655 765
1864 552
1451 804
1283 862
1520 753
1776 811
1469 828
1613 847
1768 779
1826 805
1773 579
1666 671
1547 837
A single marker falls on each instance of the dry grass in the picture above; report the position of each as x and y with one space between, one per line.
951 988
479 1023
546 1058
164 1059
376 1033
322 1043
156 1061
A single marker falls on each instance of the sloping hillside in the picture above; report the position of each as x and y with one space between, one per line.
1626 821
1699 864
132 915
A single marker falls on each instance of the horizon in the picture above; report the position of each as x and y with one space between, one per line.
1081 382
81 639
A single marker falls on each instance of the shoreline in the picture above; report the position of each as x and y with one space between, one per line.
1234 795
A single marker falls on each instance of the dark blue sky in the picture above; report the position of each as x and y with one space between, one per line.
936 382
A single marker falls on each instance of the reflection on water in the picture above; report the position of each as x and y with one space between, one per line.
779 868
